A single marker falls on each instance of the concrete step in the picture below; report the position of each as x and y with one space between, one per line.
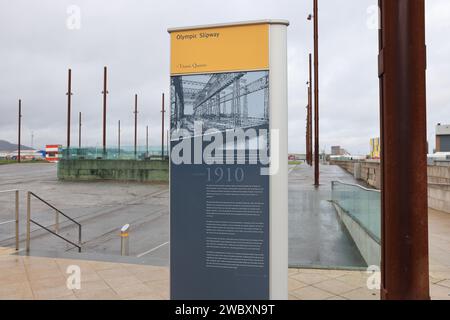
89 256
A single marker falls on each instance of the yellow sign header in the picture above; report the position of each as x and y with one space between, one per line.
220 49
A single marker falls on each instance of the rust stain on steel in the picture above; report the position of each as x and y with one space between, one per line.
402 64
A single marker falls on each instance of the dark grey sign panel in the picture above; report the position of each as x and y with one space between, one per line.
219 212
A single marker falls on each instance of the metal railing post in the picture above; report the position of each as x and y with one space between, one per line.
56 221
124 240
17 219
28 220
79 236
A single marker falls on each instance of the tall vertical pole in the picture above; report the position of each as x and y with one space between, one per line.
316 94
118 137
404 203
105 92
69 106
162 127
146 140
19 130
307 134
167 141
310 151
79 130
135 124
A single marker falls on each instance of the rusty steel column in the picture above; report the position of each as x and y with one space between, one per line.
19 130
135 124
69 106
162 127
404 206
307 134
167 142
79 130
105 92
118 137
310 110
146 141
316 93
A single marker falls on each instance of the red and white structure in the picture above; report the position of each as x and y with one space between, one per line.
53 152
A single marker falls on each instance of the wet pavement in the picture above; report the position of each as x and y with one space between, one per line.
316 236
101 207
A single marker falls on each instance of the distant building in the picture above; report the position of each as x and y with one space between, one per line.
296 157
375 148
53 152
442 138
338 151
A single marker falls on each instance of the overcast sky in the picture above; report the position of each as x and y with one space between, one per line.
130 37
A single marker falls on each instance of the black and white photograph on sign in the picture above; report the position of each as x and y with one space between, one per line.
222 101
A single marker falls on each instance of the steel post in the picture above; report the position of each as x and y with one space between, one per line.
17 218
28 236
316 94
310 151
404 236
19 130
135 124
69 106
79 131
162 127
105 92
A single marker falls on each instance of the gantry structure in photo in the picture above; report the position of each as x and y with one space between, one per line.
221 102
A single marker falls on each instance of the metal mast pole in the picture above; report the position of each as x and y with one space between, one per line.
69 106
146 140
310 152
316 94
162 127
307 134
167 141
135 124
118 137
404 203
19 131
105 92
79 130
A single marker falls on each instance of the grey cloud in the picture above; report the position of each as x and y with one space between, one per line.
129 36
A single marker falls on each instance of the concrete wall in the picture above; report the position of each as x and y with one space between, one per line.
439 188
438 179
368 246
119 170
368 171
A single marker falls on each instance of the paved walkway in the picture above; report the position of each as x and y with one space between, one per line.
28 277
38 278
316 236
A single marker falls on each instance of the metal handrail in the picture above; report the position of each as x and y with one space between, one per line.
353 185
29 194
16 220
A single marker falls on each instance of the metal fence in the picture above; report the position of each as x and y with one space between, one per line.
362 204
124 153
